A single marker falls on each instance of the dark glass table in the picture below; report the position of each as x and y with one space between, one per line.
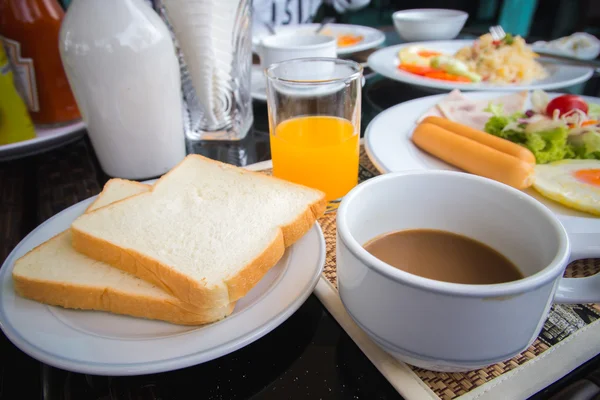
308 357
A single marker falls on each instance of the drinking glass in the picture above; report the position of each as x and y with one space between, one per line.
214 45
314 122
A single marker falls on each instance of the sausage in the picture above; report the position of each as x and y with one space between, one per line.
495 142
473 156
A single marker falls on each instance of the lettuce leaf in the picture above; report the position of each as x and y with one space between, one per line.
593 110
586 145
549 146
498 122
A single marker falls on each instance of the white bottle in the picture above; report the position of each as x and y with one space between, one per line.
121 64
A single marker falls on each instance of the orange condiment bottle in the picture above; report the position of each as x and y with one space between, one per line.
29 31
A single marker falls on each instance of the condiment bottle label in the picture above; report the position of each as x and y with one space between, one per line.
24 73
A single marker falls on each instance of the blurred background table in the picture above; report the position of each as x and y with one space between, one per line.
308 357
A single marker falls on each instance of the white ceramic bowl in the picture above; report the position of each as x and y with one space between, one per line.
429 23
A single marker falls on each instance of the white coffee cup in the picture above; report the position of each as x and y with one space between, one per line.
447 326
282 47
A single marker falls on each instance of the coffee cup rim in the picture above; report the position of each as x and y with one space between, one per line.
540 278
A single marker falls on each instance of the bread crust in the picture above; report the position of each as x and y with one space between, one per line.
181 286
108 299
241 283
115 301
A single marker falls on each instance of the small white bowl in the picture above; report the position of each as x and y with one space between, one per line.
429 23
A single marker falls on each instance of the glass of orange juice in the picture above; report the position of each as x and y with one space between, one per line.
314 122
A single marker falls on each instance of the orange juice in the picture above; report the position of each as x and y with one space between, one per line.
317 151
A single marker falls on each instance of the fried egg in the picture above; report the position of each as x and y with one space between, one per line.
573 183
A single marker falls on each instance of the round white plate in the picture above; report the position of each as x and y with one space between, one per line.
389 147
371 37
100 343
46 139
385 62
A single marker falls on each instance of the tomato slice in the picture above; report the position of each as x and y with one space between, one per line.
416 69
445 76
566 103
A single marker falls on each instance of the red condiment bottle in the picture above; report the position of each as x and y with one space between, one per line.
29 31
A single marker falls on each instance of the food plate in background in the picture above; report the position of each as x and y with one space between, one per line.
579 45
371 37
46 139
101 343
389 147
385 62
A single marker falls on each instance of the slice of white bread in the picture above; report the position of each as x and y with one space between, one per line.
54 273
207 232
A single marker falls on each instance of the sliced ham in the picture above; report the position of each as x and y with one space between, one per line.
435 111
458 108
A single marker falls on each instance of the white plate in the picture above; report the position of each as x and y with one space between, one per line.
371 37
385 62
46 139
389 147
100 343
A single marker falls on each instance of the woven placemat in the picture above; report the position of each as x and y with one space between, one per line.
563 320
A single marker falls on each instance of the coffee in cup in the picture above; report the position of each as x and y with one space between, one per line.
443 256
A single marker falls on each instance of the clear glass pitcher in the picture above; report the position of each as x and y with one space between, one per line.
214 44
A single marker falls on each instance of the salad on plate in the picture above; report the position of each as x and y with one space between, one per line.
566 127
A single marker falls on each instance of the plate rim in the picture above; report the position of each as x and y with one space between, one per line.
166 364
342 51
375 65
61 135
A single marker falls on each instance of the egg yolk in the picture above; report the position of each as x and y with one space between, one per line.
590 176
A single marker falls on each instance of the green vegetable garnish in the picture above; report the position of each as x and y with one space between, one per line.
548 140
548 146
455 67
586 145
508 39
496 124
593 110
